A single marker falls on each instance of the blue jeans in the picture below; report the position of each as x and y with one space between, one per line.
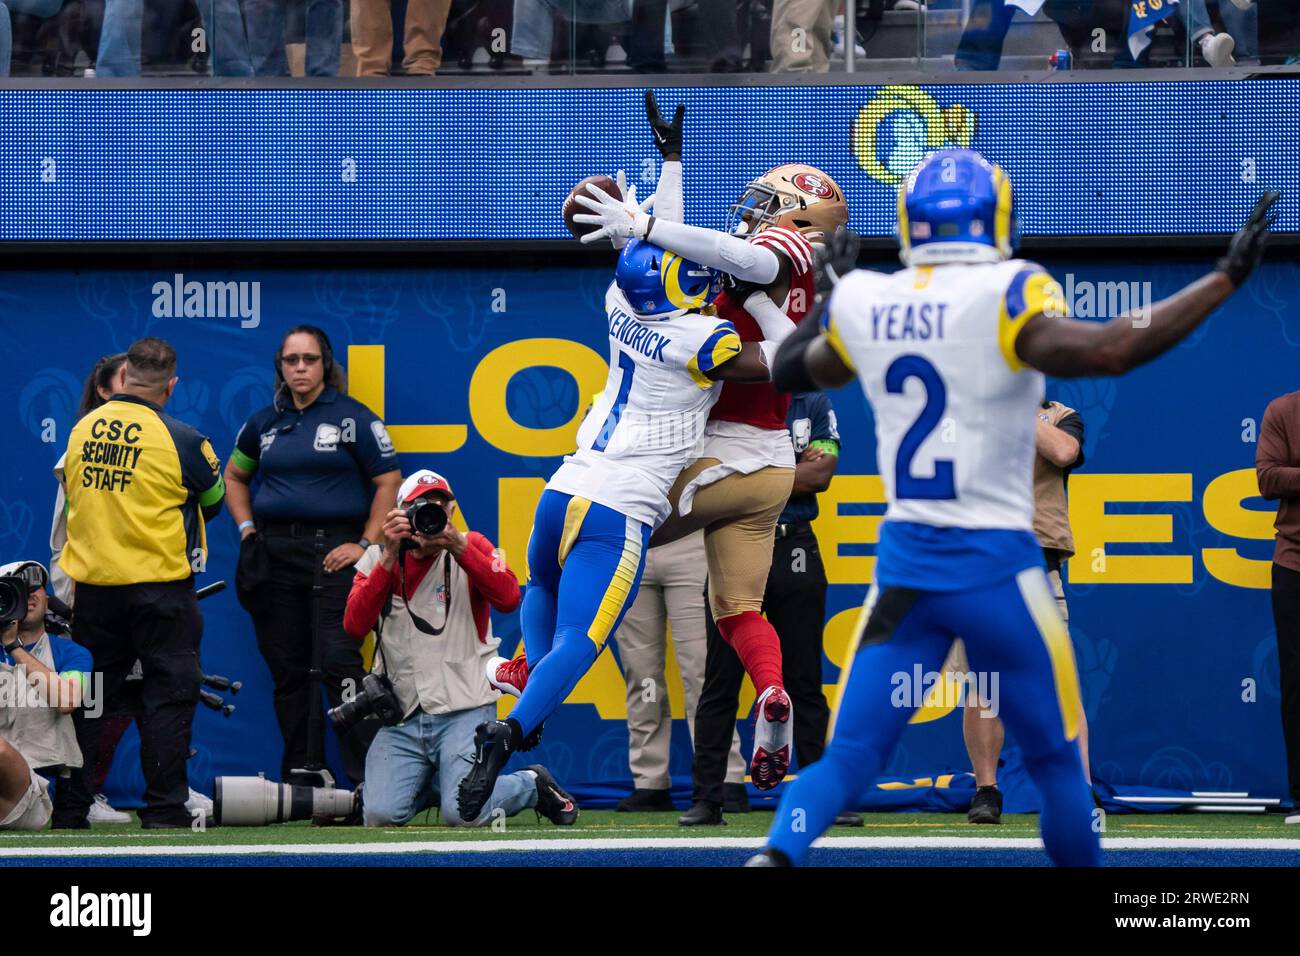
534 21
420 763
266 36
1243 25
119 38
37 8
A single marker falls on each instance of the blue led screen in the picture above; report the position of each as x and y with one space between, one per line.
465 164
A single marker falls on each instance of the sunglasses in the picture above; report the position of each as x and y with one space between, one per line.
293 360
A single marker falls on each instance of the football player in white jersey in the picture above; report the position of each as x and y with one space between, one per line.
668 353
964 335
739 478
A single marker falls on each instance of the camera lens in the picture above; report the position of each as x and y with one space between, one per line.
13 599
427 518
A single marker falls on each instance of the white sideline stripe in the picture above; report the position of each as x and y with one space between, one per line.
646 843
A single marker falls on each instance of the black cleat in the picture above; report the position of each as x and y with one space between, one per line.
735 798
986 806
553 802
768 857
646 800
495 742
850 819
702 814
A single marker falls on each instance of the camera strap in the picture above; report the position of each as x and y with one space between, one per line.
420 623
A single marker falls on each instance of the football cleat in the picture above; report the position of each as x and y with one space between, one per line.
768 857
494 744
553 802
508 676
986 806
773 729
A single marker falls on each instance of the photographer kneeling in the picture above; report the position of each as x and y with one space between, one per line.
42 679
427 594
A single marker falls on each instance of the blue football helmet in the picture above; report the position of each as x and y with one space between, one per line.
660 284
956 206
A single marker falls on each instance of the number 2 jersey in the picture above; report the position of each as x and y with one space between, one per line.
934 349
640 431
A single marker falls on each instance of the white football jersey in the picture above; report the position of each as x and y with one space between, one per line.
934 349
641 429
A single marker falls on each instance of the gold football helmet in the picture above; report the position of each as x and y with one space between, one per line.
795 196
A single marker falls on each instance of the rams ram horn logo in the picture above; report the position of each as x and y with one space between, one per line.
900 126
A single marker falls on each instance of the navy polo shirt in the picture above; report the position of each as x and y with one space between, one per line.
810 420
317 464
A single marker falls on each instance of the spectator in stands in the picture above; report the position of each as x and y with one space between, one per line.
801 35
429 599
45 677
1277 468
266 36
37 8
372 36
1241 20
534 22
119 42
1059 443
672 593
328 475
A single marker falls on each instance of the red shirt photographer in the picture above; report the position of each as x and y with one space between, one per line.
437 633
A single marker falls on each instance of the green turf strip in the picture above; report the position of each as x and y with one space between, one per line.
607 823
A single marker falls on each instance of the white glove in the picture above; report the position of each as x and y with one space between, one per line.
618 219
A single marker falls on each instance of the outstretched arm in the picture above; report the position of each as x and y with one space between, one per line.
1070 349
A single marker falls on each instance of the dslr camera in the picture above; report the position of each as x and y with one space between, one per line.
426 517
377 697
13 599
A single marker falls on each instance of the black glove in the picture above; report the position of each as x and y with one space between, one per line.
668 136
1247 246
837 258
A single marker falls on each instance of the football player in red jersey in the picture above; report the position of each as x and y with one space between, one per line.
739 483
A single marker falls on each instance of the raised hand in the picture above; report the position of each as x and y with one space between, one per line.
668 136
1247 246
617 218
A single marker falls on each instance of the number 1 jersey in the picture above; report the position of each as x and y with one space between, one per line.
641 429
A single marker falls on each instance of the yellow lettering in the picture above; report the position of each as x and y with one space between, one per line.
366 385
1224 511
516 504
1094 529
487 393
834 529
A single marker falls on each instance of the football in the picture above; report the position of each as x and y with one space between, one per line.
572 207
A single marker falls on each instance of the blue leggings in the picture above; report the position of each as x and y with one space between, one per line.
584 569
1011 629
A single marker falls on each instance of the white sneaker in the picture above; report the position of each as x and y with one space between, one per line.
1243 4
198 803
1217 49
837 39
101 811
917 5
508 676
773 730
1293 817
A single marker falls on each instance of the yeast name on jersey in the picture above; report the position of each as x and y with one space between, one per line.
908 321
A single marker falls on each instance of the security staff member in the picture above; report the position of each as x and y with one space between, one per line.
140 486
328 475
795 604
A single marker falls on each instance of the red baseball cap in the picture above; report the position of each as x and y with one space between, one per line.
421 483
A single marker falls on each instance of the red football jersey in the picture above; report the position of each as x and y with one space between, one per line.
759 403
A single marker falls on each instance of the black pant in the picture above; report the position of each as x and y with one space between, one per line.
284 636
75 792
795 604
159 625
1286 621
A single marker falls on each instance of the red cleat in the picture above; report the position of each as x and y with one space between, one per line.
773 729
508 676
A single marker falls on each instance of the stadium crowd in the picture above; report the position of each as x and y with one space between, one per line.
270 38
